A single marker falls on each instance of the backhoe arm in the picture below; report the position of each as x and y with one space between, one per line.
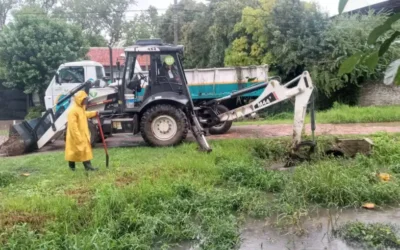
275 93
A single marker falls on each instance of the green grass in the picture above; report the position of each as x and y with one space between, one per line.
3 132
157 197
337 115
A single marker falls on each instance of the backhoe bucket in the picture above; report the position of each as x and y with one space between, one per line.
23 136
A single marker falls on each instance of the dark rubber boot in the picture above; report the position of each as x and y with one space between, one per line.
71 165
88 166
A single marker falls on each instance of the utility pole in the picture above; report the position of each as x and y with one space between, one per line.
176 22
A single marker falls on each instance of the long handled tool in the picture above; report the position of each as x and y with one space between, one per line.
103 140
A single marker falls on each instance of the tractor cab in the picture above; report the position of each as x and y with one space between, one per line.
164 78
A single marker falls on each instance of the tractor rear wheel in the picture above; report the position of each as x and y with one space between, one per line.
223 127
164 125
94 134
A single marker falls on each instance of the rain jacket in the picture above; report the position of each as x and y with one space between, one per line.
77 146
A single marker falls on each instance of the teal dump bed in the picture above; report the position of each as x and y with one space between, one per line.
200 92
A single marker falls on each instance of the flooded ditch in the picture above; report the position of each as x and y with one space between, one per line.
316 231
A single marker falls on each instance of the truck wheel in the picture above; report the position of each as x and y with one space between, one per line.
163 126
221 128
94 133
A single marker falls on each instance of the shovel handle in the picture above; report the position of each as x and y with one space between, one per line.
102 139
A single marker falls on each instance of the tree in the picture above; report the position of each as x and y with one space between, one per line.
251 45
95 40
46 5
346 35
96 16
145 25
197 44
33 46
187 12
294 35
380 40
225 14
205 30
5 7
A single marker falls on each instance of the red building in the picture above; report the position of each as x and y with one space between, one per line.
102 55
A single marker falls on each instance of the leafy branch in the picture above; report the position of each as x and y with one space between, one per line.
370 59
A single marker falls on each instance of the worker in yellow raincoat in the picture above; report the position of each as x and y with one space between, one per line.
78 147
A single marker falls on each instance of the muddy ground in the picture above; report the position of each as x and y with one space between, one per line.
4 128
249 131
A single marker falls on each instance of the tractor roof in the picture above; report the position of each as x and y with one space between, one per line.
153 46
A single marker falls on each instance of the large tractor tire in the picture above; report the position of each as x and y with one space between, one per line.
164 125
223 127
94 133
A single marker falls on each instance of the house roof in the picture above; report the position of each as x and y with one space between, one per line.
102 55
144 60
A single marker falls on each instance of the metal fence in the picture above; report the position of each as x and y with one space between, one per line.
13 104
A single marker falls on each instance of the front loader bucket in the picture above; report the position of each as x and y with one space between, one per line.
23 136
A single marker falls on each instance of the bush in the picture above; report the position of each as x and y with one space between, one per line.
345 35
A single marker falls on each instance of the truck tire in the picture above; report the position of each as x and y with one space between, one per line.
164 125
223 127
94 133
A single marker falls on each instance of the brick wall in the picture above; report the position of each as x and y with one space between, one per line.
378 94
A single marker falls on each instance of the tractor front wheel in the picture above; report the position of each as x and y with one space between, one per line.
164 125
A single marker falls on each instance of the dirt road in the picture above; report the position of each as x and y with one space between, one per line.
252 131
265 131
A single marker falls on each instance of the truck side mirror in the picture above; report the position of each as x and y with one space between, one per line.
119 66
58 78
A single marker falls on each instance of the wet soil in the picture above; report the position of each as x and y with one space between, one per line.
13 146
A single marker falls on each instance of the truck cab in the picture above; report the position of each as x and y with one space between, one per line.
70 75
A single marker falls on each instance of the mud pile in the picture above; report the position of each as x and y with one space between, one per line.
12 147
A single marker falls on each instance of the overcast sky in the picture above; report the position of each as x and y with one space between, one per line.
330 6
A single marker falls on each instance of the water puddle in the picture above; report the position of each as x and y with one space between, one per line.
316 228
256 235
